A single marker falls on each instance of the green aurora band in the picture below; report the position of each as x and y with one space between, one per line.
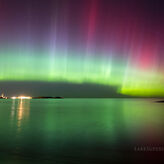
20 65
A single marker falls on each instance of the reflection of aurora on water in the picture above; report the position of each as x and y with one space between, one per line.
96 42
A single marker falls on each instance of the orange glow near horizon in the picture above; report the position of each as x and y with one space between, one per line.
21 97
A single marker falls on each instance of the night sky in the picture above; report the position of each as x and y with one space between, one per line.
82 48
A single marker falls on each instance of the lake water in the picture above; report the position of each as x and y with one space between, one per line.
80 131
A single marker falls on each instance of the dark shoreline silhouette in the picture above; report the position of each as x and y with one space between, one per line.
160 101
47 97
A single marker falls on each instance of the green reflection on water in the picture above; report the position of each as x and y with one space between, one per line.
76 128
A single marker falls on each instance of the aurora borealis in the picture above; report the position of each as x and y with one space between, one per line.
116 43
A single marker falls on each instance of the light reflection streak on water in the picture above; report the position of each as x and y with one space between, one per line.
13 107
19 113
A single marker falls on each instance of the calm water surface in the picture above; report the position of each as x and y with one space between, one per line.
82 131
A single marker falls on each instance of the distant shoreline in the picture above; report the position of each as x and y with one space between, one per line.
42 97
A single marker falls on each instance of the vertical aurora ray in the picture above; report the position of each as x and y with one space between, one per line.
101 42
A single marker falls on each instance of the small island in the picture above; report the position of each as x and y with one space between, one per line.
47 97
160 101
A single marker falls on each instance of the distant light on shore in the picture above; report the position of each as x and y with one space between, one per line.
21 97
13 97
